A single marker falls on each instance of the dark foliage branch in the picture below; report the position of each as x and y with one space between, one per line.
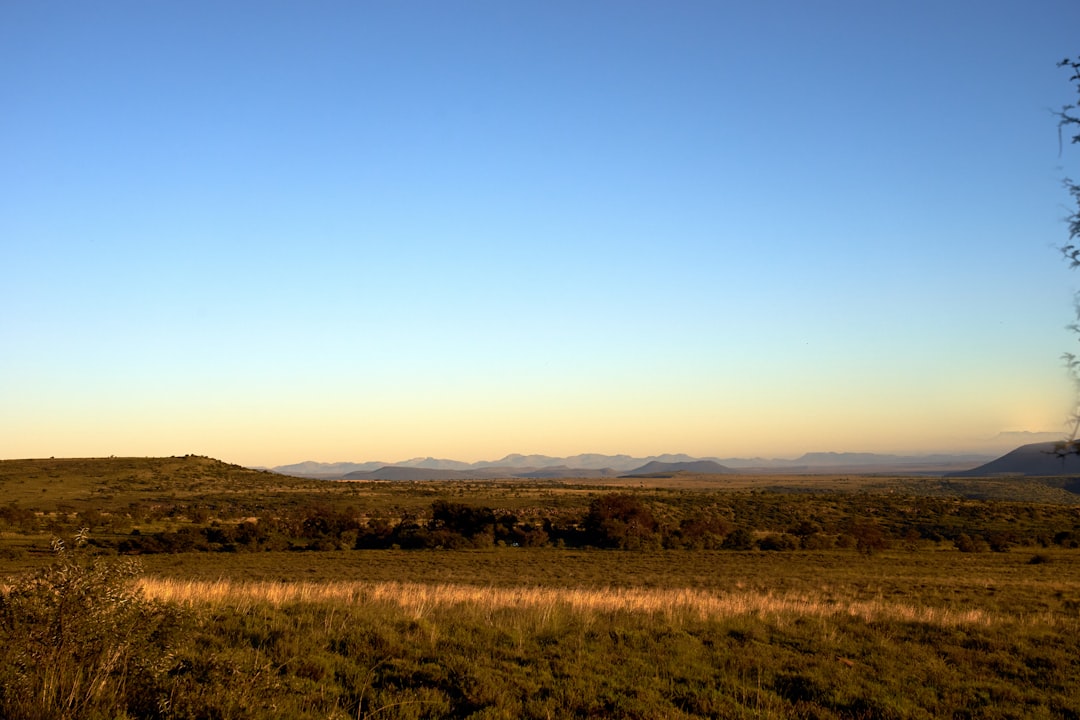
1069 124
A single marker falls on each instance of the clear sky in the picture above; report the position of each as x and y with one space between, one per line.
280 231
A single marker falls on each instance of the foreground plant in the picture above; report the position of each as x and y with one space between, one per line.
78 639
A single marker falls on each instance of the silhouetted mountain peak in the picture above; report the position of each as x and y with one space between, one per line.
1033 459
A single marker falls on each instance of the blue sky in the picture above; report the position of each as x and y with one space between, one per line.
279 231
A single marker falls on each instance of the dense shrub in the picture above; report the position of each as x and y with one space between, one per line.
78 639
701 532
741 538
462 519
17 518
779 541
1067 539
868 537
968 544
620 520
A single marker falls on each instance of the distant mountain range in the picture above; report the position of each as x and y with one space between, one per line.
599 466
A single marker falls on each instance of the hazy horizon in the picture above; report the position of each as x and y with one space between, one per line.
998 445
1002 443
271 233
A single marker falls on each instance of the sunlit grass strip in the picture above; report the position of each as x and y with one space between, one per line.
418 599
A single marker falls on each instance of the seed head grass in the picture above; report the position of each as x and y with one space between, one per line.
671 605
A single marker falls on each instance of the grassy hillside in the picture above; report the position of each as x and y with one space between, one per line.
52 483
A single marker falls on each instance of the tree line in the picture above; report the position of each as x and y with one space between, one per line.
611 520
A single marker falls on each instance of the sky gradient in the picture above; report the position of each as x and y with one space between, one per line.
271 232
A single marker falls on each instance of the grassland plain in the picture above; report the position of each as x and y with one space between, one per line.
919 623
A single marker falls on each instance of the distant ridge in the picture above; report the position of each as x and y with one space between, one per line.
703 467
313 469
514 465
397 472
1032 460
591 465
436 464
561 471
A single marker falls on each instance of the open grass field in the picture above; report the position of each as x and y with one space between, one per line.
265 597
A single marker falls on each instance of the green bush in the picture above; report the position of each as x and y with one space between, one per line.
78 640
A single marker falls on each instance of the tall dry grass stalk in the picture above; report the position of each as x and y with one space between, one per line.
418 599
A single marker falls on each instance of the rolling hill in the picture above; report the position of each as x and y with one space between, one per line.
1033 460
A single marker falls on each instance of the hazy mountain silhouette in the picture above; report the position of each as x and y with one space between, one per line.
562 471
597 465
1034 459
515 460
585 465
436 464
326 470
704 467
586 461
399 472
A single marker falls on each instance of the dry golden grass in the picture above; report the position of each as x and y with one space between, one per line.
417 599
